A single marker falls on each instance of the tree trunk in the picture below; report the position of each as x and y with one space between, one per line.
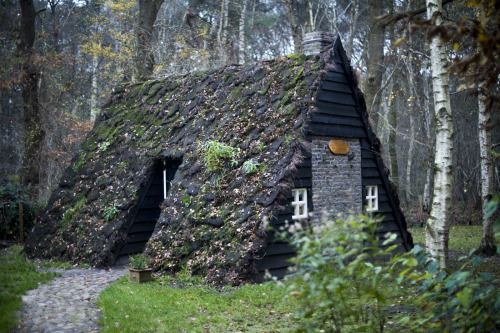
488 245
241 51
352 25
94 110
429 130
297 43
393 123
437 227
145 62
409 161
222 34
33 132
375 69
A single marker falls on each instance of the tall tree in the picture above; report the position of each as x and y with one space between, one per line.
375 65
297 42
488 245
145 62
437 227
33 132
241 49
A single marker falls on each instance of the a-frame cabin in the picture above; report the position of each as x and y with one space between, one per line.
299 120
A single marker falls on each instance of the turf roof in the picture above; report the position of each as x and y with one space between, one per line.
260 109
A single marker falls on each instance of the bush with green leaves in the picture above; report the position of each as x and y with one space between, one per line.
453 301
345 281
339 279
11 195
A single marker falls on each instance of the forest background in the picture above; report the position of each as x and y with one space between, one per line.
59 59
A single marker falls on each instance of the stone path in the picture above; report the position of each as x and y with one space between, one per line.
66 303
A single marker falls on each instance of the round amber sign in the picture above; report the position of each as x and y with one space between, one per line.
339 147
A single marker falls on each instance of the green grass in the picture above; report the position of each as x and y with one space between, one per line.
55 264
17 275
185 304
194 307
462 238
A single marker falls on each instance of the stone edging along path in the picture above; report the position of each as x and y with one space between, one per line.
66 303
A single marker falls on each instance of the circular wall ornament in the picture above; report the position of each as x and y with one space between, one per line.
339 147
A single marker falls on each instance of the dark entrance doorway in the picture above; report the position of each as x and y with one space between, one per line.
148 208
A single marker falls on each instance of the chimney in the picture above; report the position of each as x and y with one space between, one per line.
315 42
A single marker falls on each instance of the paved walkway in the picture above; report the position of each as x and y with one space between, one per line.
66 303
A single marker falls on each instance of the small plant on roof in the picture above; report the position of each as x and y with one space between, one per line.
110 212
218 156
139 262
250 166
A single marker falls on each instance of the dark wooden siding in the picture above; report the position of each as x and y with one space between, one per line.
148 210
277 252
340 113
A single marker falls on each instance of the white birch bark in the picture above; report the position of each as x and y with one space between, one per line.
437 227
409 160
312 23
429 128
352 26
222 33
94 110
488 245
241 50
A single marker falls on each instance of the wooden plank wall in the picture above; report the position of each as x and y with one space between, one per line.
340 114
274 257
148 210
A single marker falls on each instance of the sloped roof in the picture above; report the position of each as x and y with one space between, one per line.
260 108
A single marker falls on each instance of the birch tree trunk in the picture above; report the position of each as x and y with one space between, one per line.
488 246
352 25
409 160
393 123
222 33
429 129
94 110
241 51
437 227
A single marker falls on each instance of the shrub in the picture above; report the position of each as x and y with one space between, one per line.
461 301
339 282
11 195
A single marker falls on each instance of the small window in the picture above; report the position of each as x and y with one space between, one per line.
371 198
299 204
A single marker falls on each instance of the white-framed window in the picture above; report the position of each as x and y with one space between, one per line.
299 204
371 198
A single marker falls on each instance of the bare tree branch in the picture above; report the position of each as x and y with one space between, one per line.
391 18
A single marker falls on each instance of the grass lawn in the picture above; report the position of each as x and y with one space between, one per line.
194 307
187 305
462 238
17 275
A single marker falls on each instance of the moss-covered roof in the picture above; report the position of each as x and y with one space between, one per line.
213 230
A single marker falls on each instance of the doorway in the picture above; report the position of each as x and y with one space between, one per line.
148 208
